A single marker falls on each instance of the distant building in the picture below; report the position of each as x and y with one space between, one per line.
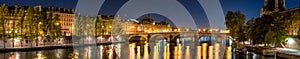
293 27
278 6
149 25
271 6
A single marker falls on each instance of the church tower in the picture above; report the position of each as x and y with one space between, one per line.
271 6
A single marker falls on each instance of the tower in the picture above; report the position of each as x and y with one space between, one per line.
271 6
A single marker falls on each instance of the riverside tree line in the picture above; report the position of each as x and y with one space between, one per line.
30 24
91 27
33 24
267 29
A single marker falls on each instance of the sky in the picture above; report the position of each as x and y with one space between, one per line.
251 8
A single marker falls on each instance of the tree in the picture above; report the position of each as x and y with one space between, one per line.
295 21
57 27
235 24
108 26
116 27
14 21
28 24
19 24
36 20
99 26
265 28
261 27
3 13
84 27
46 26
250 28
77 31
274 37
299 34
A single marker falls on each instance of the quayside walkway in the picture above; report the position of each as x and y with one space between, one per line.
49 47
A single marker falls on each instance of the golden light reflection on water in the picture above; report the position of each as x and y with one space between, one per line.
39 55
228 52
210 52
217 51
142 51
146 56
187 53
204 50
136 51
198 52
74 55
179 51
131 51
156 56
138 54
175 52
14 56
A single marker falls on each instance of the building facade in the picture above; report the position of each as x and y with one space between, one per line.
278 6
271 6
148 25
66 16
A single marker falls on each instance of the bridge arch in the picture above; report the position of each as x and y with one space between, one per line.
157 37
183 37
137 38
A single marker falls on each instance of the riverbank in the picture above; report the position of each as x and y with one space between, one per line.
63 46
279 52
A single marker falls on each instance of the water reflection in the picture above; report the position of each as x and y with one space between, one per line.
140 50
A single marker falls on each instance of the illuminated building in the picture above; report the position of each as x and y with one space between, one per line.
66 17
148 25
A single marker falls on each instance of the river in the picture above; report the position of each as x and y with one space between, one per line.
137 50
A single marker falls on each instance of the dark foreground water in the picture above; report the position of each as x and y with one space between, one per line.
137 51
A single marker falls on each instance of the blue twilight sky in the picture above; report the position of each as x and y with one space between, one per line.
251 8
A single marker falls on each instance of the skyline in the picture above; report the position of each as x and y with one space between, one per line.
251 8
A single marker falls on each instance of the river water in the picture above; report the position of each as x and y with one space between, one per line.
137 50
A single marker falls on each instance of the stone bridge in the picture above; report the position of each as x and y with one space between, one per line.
170 36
